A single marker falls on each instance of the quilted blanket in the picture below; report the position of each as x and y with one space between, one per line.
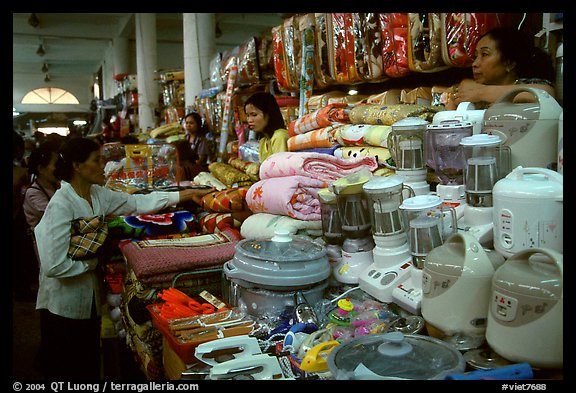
316 165
389 114
321 137
160 260
363 134
381 154
293 196
320 118
225 201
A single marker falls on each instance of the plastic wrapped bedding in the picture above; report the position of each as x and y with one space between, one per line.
293 196
315 165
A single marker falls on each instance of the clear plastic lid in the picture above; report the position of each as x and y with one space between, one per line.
395 356
283 247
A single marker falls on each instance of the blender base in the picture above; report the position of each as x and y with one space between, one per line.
379 281
408 295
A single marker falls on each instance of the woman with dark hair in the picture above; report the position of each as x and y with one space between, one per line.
41 165
195 135
506 58
69 293
265 118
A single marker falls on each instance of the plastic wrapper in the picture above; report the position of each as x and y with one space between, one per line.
307 67
394 28
425 42
280 71
140 168
462 30
249 151
265 57
216 71
322 76
368 47
292 51
343 67
248 64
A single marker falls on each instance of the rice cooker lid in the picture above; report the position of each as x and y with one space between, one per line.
535 279
506 111
395 356
537 185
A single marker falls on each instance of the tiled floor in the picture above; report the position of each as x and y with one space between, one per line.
25 340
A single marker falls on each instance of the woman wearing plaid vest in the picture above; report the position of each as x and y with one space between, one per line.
68 294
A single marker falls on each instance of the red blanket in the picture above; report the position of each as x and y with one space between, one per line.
159 260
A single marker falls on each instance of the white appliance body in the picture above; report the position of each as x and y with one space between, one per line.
525 322
456 286
464 112
528 211
529 129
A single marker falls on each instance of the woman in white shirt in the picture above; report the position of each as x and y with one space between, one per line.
69 293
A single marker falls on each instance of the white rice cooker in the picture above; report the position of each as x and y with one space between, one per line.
528 207
525 322
456 285
265 275
530 129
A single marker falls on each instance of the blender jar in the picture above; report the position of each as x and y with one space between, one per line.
426 219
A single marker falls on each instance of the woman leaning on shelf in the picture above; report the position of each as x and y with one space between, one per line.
506 59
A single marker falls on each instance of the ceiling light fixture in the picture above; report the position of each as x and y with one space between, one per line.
33 20
40 51
46 77
45 68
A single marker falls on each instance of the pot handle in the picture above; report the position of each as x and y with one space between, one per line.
555 257
519 172
540 94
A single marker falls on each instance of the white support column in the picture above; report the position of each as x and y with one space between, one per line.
199 48
121 54
116 62
146 64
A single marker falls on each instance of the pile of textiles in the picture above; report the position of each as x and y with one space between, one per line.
290 182
161 251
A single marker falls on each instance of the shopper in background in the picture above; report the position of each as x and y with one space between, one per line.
69 293
506 58
265 118
195 135
187 166
22 250
41 165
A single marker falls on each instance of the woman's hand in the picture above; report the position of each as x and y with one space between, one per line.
194 194
468 91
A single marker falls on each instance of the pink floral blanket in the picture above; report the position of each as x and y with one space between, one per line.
293 196
325 167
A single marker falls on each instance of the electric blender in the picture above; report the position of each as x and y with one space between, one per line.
445 156
407 148
356 227
425 219
486 161
392 258
332 236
